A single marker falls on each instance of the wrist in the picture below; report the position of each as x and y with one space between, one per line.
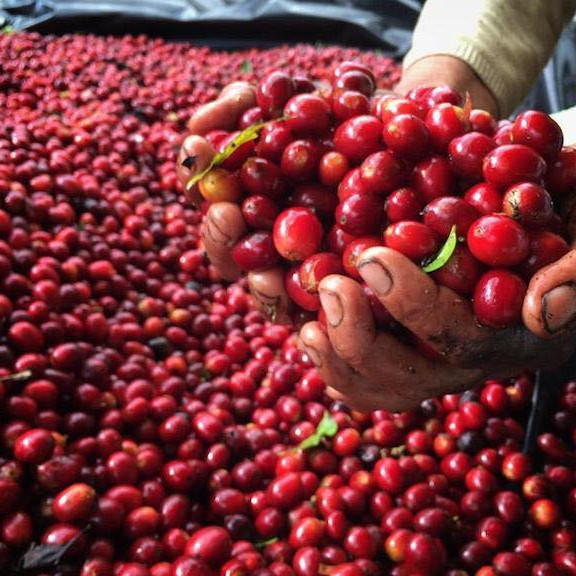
440 69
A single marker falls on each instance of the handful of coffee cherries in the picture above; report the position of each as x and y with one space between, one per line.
323 175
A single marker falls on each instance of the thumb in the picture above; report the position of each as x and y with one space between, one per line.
550 304
195 155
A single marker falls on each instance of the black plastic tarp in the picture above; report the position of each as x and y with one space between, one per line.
382 24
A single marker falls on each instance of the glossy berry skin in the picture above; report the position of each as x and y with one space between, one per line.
443 213
498 298
297 293
545 514
382 172
561 173
441 94
511 564
358 137
406 134
539 131
482 121
425 554
352 65
432 178
320 199
349 104
359 543
251 116
351 184
309 115
262 177
34 446
74 503
337 240
315 268
297 234
255 252
273 139
306 532
512 163
300 160
467 153
445 122
498 240
460 273
273 91
413 239
355 80
353 252
360 214
259 212
389 475
403 204
486 198
545 248
398 106
220 185
332 169
503 134
211 545
528 203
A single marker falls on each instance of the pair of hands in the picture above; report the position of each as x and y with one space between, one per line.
370 369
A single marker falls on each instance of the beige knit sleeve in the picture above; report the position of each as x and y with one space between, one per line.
506 42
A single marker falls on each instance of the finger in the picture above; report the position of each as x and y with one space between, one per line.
434 313
349 319
550 304
239 85
380 356
351 387
222 228
223 113
267 289
195 155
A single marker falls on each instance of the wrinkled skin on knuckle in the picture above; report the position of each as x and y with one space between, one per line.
349 351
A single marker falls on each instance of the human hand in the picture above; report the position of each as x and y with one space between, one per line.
224 224
370 369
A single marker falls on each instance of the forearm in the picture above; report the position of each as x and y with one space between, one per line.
504 44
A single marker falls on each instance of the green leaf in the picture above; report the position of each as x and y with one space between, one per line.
246 66
17 377
264 543
251 133
444 254
8 29
327 427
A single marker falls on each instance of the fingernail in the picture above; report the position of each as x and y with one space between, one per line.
559 307
376 276
214 232
311 353
268 304
332 307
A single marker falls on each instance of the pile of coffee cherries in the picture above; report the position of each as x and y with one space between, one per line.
153 424
346 169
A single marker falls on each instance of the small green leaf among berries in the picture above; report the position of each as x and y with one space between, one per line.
444 254
327 427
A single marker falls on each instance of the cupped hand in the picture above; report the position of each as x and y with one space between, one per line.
372 369
224 224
